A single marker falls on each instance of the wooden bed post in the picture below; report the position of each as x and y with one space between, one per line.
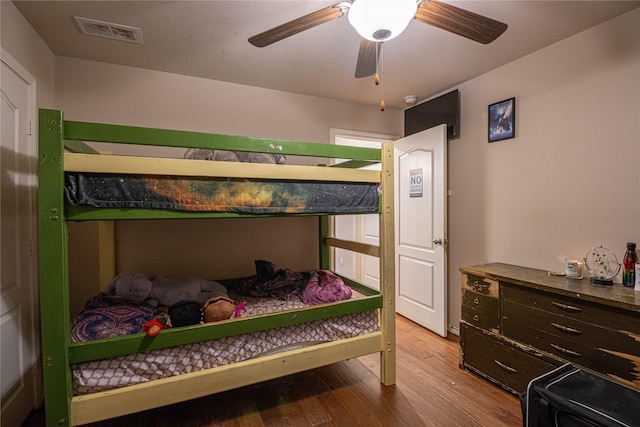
106 253
387 267
54 298
325 250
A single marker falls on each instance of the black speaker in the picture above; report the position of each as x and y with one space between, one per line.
570 397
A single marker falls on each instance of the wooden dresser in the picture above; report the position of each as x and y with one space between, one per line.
518 323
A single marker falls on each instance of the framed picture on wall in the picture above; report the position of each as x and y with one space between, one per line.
502 120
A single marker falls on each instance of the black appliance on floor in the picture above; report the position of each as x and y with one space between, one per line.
571 397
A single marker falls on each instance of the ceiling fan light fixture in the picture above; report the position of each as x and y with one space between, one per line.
381 20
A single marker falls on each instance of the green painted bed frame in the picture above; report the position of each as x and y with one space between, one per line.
62 142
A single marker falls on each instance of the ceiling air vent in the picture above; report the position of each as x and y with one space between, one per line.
125 33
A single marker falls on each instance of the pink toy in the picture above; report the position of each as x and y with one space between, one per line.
239 309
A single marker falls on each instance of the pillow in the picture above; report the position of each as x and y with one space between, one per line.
107 317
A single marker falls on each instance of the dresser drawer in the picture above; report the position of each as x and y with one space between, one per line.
480 284
617 365
480 310
611 317
501 361
515 317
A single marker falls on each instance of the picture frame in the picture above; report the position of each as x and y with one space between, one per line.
502 120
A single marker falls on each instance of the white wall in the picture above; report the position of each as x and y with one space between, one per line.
21 41
570 180
94 91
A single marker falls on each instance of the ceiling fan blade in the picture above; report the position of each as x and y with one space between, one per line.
460 21
297 25
367 55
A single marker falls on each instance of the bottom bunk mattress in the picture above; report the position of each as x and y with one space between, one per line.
106 374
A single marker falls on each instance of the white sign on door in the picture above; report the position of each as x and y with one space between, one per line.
415 183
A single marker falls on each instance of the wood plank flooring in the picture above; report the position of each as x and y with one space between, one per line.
431 390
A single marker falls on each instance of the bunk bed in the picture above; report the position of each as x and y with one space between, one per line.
65 158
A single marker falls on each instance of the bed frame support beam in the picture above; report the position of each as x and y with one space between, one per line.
387 267
361 248
53 259
107 253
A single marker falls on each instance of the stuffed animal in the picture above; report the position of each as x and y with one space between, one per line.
236 156
185 313
154 326
130 286
217 309
164 291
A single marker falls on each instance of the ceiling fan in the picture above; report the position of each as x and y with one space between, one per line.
380 20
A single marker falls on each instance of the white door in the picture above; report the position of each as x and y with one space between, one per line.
18 349
420 178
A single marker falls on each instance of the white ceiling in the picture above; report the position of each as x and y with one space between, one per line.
209 39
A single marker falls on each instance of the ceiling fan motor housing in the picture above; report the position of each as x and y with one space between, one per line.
382 34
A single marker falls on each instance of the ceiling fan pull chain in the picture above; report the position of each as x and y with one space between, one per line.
381 66
377 76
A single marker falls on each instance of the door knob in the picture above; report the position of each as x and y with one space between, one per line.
437 242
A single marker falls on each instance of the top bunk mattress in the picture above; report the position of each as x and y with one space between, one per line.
176 193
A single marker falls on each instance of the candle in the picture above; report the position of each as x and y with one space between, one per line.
573 269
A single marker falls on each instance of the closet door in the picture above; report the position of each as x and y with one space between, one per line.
17 251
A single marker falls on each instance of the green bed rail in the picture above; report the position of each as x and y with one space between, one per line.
83 131
136 343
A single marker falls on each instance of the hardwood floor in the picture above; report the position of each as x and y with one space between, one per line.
431 390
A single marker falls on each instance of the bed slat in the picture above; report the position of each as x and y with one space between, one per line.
74 162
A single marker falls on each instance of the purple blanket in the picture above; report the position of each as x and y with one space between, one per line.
316 287
107 317
324 287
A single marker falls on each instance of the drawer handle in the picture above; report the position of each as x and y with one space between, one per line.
476 318
566 329
506 367
476 301
566 307
566 351
479 287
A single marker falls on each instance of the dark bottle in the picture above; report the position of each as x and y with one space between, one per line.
629 265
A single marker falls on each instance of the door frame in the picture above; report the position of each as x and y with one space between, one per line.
356 260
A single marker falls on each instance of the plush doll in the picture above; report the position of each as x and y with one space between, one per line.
190 299
130 286
164 291
154 326
168 291
185 313
217 309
